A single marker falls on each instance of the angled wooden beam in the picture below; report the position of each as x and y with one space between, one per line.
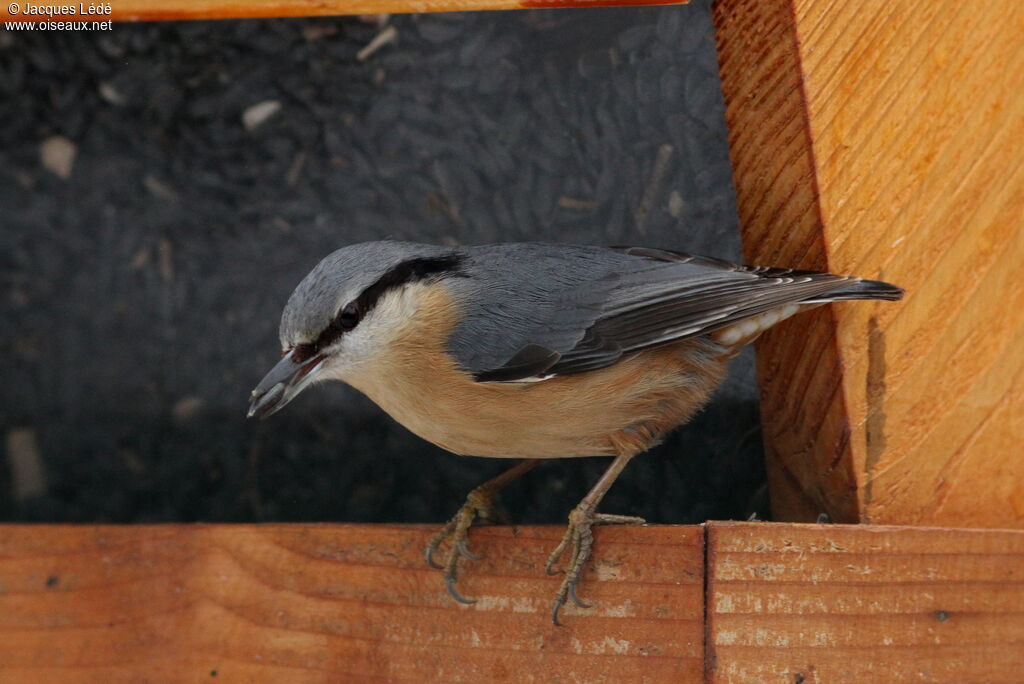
153 10
882 139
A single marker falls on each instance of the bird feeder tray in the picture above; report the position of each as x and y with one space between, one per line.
878 138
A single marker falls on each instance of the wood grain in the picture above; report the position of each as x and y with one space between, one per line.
882 139
851 604
330 603
152 10
319 603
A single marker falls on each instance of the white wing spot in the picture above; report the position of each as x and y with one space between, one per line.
744 331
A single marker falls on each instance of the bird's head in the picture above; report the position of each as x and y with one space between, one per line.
354 302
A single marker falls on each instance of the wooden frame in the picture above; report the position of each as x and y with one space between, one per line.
338 603
882 139
297 603
878 138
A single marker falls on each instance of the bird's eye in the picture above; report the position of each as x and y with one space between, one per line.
348 318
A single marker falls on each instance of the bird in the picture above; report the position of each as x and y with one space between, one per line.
533 351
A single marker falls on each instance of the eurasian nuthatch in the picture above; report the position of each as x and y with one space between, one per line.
533 351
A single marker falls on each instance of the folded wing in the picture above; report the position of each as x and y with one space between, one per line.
644 298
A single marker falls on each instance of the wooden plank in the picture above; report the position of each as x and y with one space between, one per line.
152 10
882 139
313 603
297 603
837 603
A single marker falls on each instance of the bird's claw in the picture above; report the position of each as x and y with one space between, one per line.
449 583
465 552
477 506
576 599
579 537
436 541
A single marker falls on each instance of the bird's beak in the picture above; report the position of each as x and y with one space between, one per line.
282 384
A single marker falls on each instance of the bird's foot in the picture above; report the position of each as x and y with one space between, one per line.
479 505
579 539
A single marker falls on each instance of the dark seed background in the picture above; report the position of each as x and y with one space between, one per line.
164 186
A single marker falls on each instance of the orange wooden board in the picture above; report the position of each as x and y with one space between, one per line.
150 10
882 139
835 603
329 603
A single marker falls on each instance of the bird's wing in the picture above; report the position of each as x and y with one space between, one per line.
621 300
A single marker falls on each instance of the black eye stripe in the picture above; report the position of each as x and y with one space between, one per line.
411 271
303 352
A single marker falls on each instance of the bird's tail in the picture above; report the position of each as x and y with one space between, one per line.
862 289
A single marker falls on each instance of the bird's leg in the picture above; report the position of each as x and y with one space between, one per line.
579 538
479 504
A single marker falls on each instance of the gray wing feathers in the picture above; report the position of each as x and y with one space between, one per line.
684 317
526 297
553 310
